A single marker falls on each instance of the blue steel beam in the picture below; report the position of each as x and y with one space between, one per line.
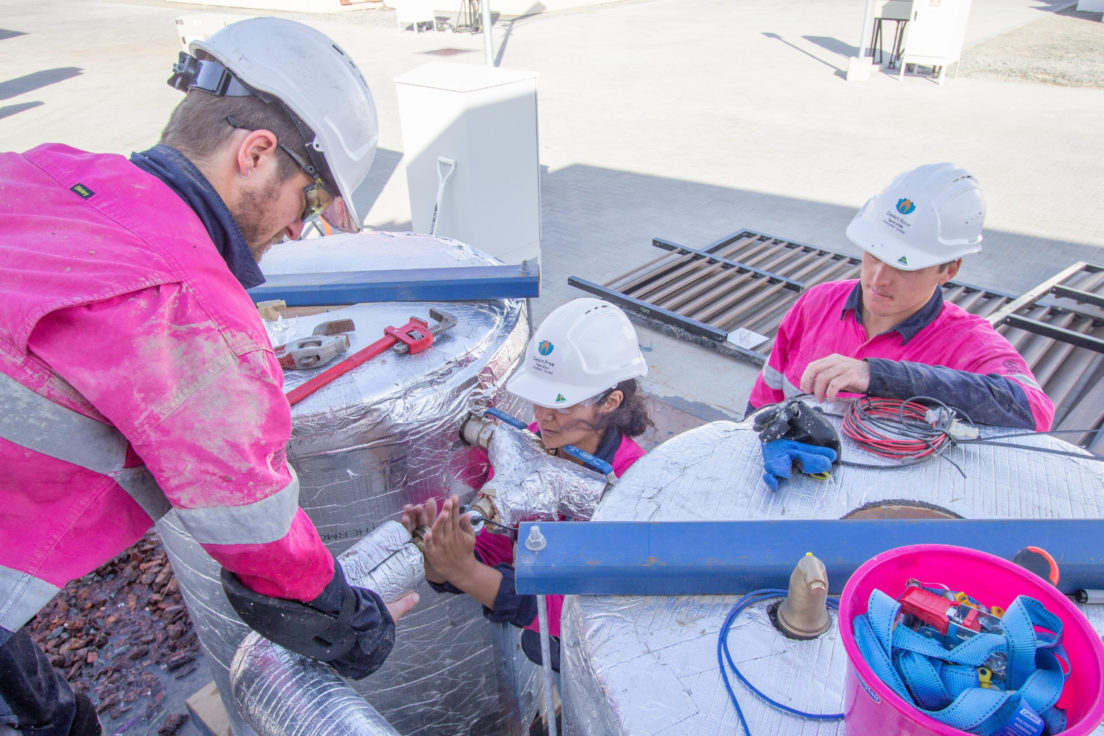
727 557
467 283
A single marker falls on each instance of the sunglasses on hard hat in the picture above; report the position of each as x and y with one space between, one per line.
317 199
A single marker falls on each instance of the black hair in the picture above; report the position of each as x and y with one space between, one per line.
631 418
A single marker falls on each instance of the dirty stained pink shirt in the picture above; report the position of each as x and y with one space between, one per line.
116 305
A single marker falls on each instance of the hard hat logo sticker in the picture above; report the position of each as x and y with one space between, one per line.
544 348
560 398
905 206
903 261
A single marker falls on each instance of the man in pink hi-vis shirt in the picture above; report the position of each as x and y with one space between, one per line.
890 333
136 377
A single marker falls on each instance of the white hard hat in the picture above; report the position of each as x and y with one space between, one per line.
928 216
582 349
314 78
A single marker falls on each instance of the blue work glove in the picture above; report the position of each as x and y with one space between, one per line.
779 457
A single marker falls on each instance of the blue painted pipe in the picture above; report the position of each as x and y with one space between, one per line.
730 557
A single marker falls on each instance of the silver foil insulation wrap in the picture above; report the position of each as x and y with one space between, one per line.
531 485
642 664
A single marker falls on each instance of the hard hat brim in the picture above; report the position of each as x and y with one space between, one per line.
891 251
544 393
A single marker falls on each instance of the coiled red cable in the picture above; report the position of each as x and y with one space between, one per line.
896 428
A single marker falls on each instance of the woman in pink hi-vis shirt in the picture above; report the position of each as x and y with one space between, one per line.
580 374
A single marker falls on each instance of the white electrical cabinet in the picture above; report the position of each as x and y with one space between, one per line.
470 145
936 32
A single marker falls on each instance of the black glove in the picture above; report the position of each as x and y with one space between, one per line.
794 433
347 627
795 420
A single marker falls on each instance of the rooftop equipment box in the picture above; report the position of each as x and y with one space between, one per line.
936 32
485 120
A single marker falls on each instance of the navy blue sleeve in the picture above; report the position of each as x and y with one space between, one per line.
445 587
509 607
987 399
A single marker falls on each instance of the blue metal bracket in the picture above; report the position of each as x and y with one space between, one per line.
728 557
467 283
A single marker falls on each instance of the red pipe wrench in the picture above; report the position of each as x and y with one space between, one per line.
413 337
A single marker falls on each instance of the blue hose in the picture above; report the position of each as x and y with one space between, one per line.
723 655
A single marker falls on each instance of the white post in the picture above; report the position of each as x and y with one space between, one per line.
859 67
868 27
546 667
488 40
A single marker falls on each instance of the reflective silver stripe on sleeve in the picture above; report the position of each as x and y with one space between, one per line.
22 595
140 484
35 422
256 523
772 377
1026 380
38 424
790 390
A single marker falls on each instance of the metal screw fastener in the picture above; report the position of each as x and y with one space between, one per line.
535 541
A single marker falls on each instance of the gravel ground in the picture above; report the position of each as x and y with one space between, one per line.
122 635
1064 48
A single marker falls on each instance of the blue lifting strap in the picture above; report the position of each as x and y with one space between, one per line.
944 684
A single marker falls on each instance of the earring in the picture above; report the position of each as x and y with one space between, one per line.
246 175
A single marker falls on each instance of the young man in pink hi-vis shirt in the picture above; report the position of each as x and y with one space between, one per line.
890 333
579 373
136 377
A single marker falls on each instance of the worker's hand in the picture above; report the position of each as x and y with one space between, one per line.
780 456
423 514
420 517
450 544
826 377
402 606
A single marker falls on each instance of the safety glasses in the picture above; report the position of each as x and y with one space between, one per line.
317 199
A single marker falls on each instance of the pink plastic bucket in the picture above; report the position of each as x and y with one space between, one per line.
870 707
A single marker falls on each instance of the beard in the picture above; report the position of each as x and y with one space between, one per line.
253 219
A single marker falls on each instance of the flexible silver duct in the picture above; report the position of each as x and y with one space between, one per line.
639 664
381 436
282 693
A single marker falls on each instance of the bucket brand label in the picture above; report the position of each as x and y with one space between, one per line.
869 691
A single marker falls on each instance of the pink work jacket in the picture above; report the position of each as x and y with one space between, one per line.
137 381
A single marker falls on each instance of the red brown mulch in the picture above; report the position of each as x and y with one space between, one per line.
110 630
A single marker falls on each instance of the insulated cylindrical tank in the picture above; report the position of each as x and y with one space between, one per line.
381 436
648 664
